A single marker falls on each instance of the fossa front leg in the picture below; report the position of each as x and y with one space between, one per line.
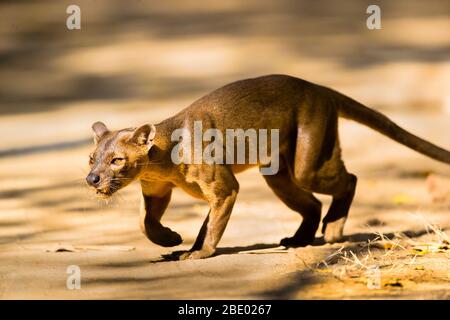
220 192
155 199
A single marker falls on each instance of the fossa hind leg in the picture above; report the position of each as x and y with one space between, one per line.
298 200
333 179
334 221
318 167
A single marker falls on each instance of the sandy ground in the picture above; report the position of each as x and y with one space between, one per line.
48 204
142 63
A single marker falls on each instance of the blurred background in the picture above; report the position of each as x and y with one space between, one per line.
133 58
140 61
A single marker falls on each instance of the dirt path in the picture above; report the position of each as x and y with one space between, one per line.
139 63
47 204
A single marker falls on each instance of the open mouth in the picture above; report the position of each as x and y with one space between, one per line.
104 193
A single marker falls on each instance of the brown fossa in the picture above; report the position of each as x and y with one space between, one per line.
310 161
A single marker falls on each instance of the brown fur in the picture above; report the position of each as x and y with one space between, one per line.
310 157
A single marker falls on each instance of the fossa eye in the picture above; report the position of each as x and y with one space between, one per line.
118 161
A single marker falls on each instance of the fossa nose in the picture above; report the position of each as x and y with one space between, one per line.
93 179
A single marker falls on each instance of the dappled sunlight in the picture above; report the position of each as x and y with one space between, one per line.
140 62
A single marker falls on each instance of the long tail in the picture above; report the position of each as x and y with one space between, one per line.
356 111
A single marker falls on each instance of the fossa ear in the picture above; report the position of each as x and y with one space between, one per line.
144 135
100 130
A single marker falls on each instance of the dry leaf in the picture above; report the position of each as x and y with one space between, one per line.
383 245
430 248
280 249
70 248
395 282
402 198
